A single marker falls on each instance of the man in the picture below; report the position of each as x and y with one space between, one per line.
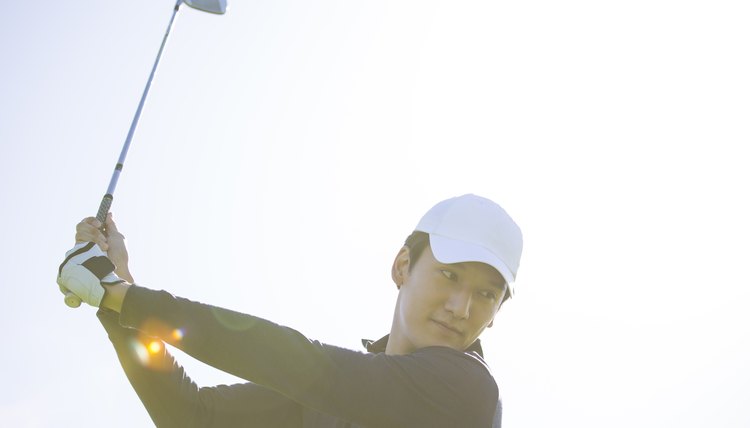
453 274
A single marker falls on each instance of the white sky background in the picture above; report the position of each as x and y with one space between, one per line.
288 147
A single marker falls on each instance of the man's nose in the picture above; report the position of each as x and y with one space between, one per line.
458 303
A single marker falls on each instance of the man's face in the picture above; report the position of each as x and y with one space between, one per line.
442 304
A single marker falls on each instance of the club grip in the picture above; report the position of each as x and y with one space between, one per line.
101 215
72 300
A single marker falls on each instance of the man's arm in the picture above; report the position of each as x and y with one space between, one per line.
172 399
114 295
436 387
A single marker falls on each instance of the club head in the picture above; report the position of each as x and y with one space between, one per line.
213 6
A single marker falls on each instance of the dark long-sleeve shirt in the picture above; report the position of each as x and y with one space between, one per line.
292 381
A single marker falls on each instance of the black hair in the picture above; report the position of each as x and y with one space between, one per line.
416 243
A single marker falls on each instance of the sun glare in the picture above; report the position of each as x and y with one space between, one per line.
154 347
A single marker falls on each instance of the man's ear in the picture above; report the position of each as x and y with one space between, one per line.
400 268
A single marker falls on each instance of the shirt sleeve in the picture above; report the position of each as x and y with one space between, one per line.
435 386
172 399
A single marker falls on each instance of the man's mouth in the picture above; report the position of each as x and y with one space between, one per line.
448 327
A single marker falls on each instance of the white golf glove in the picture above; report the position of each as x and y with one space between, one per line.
84 270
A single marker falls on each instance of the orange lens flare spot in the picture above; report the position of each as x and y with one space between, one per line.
154 347
177 334
150 353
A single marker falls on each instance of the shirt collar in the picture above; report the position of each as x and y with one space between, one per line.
379 345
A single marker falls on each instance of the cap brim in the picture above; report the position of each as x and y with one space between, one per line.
448 250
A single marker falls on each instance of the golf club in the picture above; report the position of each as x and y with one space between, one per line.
212 6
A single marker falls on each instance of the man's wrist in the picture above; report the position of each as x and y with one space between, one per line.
114 295
126 275
122 270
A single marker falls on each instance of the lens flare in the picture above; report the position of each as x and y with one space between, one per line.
177 334
151 353
140 351
154 347
233 320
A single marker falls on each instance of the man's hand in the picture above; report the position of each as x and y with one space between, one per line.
87 267
84 272
113 242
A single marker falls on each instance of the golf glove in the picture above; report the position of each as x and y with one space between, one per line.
83 272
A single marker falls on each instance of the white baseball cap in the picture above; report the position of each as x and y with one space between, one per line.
471 228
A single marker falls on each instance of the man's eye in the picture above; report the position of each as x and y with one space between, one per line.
448 274
487 294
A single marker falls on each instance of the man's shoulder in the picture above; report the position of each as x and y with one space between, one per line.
465 375
432 386
461 363
463 367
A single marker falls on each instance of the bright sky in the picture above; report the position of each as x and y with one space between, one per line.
288 147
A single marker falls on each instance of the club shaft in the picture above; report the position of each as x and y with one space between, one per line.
107 199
